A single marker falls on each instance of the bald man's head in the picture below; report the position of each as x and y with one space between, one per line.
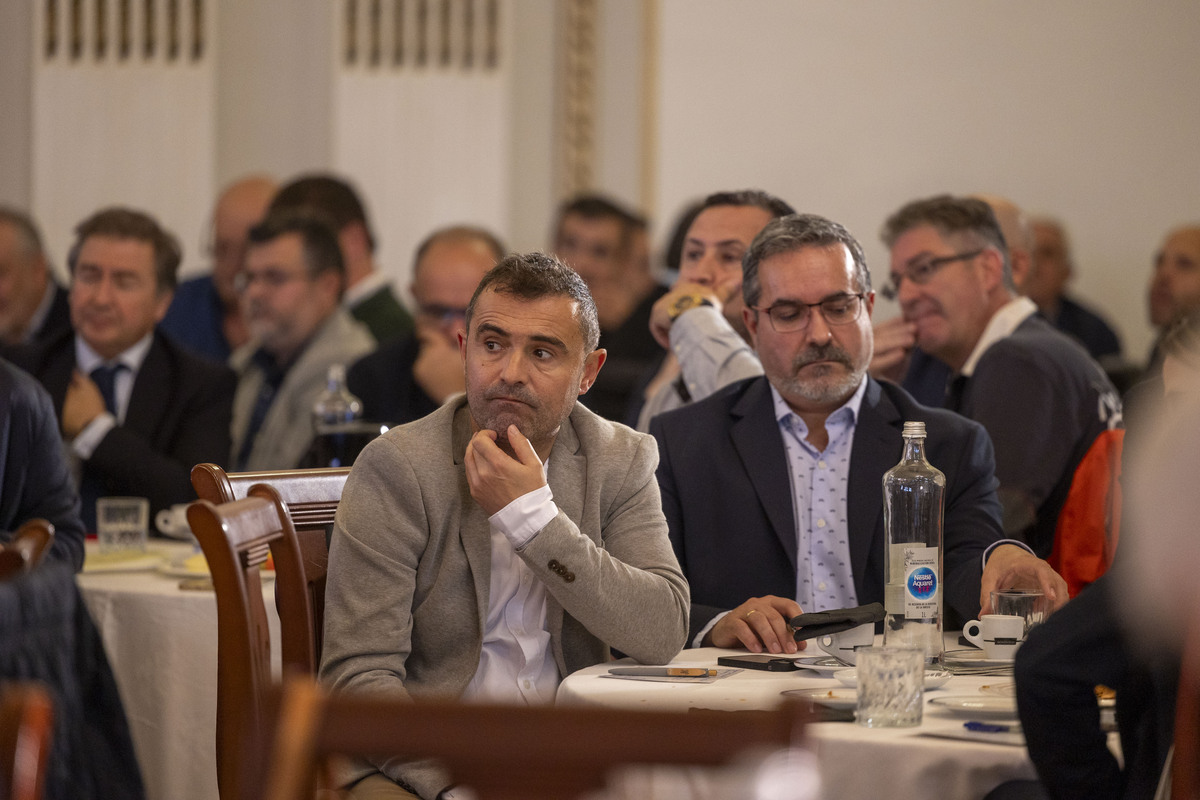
241 206
1175 283
1017 235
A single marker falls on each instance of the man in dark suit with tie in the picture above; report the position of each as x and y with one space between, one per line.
772 487
135 409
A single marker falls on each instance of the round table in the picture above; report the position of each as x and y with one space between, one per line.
854 761
161 640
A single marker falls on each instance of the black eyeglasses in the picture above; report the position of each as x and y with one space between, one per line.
922 272
790 317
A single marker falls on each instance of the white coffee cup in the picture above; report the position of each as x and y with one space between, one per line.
998 634
842 645
173 521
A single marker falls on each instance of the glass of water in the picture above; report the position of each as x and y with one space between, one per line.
122 523
891 684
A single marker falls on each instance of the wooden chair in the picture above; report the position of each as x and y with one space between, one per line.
507 752
310 498
26 723
236 538
1185 761
26 548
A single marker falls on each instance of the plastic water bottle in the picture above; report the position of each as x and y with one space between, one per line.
336 418
913 496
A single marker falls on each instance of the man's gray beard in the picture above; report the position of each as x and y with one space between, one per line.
823 393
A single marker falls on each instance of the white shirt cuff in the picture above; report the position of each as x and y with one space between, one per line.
712 623
521 519
92 435
994 545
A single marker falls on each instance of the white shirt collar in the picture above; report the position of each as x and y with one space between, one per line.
1001 325
88 359
366 287
852 404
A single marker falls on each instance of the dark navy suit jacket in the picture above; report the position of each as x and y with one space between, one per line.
178 416
727 496
35 480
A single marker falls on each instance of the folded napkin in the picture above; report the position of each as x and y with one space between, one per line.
823 623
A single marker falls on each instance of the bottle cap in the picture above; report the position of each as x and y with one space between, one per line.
914 429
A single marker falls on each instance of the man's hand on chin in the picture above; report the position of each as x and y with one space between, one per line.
496 478
1010 567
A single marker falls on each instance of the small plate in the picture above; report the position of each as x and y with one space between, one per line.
973 657
934 678
96 562
978 706
196 567
826 665
837 697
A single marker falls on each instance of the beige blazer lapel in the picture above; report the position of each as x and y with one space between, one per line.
475 531
567 476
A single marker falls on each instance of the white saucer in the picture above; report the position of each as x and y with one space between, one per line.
180 569
1007 689
933 677
826 665
837 697
978 706
973 657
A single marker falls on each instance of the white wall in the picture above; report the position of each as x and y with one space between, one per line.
1079 108
16 44
274 87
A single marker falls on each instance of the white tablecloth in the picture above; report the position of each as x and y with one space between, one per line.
855 763
162 642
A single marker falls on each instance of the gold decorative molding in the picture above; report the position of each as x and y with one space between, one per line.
381 36
576 123
650 104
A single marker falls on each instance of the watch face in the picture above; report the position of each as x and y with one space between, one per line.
684 303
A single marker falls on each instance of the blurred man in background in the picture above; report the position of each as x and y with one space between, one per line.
205 314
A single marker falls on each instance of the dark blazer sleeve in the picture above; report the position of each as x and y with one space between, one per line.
178 416
722 474
971 517
34 478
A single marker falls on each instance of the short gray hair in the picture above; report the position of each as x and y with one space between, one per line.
532 276
796 232
951 216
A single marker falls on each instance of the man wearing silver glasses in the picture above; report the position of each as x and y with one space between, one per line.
1041 397
771 487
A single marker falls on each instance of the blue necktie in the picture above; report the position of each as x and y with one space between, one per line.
91 487
105 378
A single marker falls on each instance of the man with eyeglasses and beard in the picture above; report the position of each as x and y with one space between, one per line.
412 375
1040 396
772 487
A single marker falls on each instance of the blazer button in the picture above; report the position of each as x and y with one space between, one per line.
554 565
569 576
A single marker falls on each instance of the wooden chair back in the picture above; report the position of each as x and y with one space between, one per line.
25 550
1185 761
236 539
507 752
310 498
26 724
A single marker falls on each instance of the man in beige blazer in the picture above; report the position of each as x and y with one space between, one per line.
510 537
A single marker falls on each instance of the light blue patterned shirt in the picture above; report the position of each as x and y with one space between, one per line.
820 494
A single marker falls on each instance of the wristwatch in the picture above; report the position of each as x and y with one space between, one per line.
686 301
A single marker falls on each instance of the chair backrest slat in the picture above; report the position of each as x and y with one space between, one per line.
26 723
537 753
235 538
310 498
